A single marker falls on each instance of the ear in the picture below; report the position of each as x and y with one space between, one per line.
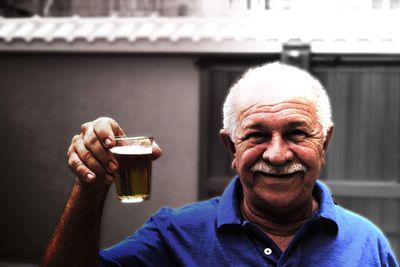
229 145
227 141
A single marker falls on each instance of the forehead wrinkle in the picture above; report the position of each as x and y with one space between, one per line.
299 112
298 107
305 115
297 104
296 120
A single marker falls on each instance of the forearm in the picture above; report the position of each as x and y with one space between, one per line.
75 241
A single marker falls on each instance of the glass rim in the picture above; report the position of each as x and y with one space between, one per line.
122 138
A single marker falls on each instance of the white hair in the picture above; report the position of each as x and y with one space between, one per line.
274 80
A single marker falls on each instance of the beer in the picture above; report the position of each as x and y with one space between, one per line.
133 178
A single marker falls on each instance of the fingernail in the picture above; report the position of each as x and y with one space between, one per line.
108 141
109 178
112 166
90 176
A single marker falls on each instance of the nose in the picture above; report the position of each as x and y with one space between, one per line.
277 152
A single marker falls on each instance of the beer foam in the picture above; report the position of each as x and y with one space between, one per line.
131 150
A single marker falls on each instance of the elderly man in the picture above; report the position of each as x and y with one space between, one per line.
277 127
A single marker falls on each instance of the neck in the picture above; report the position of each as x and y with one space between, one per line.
280 225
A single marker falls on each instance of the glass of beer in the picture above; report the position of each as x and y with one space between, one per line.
133 177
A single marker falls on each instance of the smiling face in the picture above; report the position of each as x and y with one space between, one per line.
278 153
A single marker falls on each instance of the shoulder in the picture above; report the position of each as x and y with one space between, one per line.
366 236
190 226
357 227
194 213
348 222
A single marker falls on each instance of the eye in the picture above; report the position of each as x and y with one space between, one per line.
297 135
256 137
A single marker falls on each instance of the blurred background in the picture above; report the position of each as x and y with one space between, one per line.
163 68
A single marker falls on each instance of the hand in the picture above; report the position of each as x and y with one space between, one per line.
89 156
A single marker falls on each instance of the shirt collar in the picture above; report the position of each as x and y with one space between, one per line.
327 210
228 211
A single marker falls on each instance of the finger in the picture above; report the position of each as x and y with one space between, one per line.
106 129
87 157
77 167
99 152
156 151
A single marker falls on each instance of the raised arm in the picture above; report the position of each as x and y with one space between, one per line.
75 241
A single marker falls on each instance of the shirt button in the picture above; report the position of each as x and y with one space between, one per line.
268 251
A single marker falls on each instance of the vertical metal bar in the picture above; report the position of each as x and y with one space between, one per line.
296 54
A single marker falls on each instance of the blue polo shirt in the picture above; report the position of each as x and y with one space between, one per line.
213 233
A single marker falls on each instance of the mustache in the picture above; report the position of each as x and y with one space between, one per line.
286 169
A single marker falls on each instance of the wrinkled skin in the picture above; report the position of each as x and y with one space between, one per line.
278 133
89 156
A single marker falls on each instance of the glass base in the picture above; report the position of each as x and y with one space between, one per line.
132 199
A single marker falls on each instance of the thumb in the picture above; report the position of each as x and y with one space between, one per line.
156 153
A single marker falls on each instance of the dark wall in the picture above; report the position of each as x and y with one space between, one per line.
43 101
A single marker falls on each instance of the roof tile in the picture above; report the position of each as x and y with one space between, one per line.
239 34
